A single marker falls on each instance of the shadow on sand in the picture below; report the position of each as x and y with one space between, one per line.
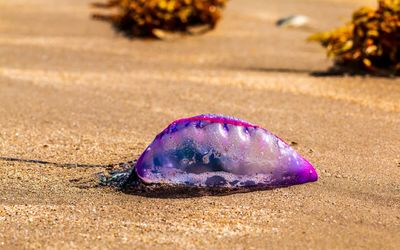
184 192
61 165
331 72
138 187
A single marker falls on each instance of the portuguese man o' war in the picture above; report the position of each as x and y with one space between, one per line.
213 151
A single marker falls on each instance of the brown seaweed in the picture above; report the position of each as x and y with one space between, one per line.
155 18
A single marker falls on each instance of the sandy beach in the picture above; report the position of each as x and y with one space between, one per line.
72 90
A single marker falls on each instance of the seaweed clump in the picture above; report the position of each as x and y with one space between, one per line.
153 18
370 43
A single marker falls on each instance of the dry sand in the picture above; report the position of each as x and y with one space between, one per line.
73 91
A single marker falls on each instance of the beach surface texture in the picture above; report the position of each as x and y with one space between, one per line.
74 91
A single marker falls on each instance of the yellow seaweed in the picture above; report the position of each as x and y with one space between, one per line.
371 41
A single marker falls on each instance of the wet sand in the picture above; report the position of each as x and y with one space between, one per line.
74 91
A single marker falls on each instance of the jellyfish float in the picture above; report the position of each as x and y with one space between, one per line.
216 151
